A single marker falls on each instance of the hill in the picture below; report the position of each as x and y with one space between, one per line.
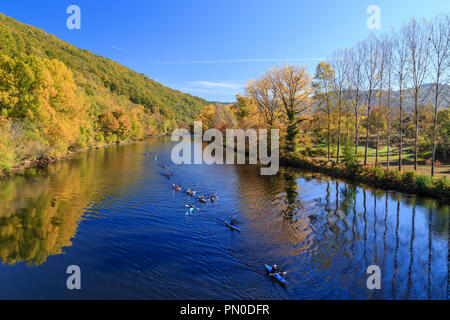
56 98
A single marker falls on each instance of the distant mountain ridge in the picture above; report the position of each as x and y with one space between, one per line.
426 97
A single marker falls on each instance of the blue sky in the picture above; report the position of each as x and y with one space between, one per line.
211 48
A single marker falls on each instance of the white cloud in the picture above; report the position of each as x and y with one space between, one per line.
240 60
214 84
118 48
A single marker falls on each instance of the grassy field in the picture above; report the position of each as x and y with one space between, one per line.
407 160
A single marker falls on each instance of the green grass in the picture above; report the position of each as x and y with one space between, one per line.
407 159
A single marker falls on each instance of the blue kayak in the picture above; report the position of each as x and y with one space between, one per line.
276 275
234 227
191 210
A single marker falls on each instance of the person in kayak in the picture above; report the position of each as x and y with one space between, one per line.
233 222
274 270
211 198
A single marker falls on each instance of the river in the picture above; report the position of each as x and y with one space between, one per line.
113 213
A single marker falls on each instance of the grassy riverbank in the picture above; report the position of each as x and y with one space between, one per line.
407 181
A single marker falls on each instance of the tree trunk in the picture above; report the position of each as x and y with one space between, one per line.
367 132
339 132
433 156
378 138
356 124
388 125
416 131
329 135
400 129
388 143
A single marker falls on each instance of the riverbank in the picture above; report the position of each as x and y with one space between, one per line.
44 161
408 181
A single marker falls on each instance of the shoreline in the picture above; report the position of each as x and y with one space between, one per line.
44 161
363 175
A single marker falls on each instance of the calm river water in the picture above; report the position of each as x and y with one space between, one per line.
114 213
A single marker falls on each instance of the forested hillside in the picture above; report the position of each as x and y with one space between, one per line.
56 98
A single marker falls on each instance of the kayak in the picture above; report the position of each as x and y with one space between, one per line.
232 226
191 210
276 275
202 200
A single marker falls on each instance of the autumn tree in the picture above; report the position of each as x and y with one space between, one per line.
340 65
323 89
108 123
387 47
292 86
207 116
356 78
371 71
438 31
401 76
384 55
418 50
241 108
263 93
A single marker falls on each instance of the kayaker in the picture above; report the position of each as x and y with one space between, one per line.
233 222
211 198
274 270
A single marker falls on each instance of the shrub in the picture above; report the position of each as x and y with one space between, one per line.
443 185
307 151
408 178
349 157
321 152
377 173
437 163
392 176
424 182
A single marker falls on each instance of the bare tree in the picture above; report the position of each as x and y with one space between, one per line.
418 47
340 65
439 38
400 70
382 64
356 64
323 87
371 66
388 49
262 93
